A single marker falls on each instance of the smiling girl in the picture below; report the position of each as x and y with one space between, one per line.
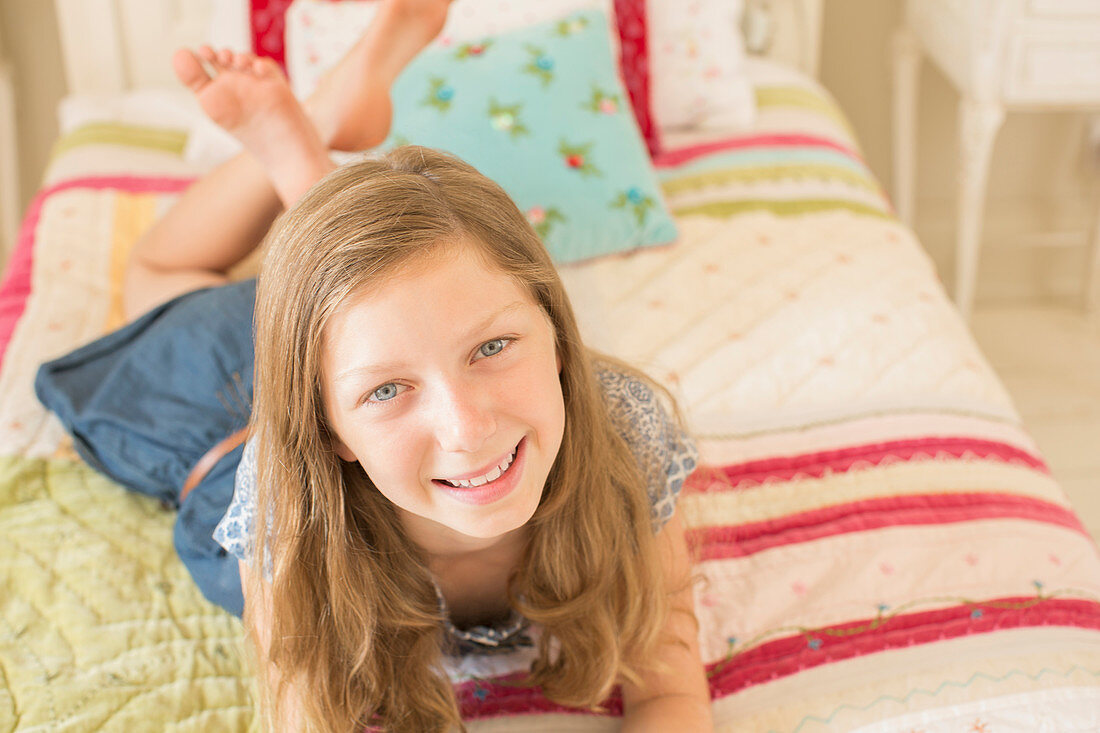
437 466
442 468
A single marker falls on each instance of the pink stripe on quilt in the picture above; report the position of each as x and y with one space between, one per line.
16 287
818 464
130 184
792 654
17 282
718 543
673 158
506 695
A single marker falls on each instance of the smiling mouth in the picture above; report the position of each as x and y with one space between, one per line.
492 475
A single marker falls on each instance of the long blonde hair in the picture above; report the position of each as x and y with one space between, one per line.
354 618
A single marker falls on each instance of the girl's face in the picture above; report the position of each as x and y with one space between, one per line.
443 384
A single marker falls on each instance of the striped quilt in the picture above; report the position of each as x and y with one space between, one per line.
881 544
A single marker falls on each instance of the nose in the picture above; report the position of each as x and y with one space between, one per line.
463 419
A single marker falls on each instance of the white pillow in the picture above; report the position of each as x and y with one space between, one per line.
230 25
696 65
319 32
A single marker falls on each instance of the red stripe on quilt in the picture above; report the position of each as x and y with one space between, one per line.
16 287
816 465
673 158
507 695
789 655
724 542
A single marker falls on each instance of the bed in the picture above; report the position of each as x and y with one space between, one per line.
883 545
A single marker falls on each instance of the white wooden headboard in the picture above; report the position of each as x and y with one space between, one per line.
117 45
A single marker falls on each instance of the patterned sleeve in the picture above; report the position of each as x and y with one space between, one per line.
664 451
234 532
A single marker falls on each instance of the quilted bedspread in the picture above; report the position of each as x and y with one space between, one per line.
882 545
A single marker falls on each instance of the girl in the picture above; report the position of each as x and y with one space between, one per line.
439 463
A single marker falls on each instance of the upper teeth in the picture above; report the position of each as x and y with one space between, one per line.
493 475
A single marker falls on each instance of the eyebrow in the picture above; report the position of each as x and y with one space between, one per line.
392 366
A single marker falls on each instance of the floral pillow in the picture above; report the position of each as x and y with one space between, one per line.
542 112
318 32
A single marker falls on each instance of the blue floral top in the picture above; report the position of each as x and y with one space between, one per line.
665 453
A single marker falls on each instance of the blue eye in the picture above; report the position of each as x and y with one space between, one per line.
385 392
492 348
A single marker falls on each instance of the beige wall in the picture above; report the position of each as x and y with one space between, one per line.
29 40
1042 175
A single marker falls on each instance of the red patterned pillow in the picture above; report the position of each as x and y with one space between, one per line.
268 34
267 28
634 65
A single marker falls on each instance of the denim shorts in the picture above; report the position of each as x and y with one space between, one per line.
143 404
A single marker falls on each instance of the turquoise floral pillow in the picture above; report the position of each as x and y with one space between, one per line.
542 112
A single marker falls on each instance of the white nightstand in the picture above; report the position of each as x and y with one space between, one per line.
1001 55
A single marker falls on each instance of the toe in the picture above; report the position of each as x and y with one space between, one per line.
243 61
266 68
189 69
225 58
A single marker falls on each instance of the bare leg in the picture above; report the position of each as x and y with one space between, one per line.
220 219
250 99
216 223
361 120
224 216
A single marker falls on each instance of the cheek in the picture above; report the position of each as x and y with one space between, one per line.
389 456
546 405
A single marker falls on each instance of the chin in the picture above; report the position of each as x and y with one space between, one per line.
487 530
506 521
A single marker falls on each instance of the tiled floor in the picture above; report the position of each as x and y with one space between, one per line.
1048 356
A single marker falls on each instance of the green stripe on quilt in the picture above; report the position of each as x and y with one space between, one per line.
118 133
753 174
724 209
808 99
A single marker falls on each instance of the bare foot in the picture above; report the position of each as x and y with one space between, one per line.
249 98
351 105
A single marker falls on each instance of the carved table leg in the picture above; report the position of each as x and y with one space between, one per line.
1092 265
979 122
907 59
1091 294
9 168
